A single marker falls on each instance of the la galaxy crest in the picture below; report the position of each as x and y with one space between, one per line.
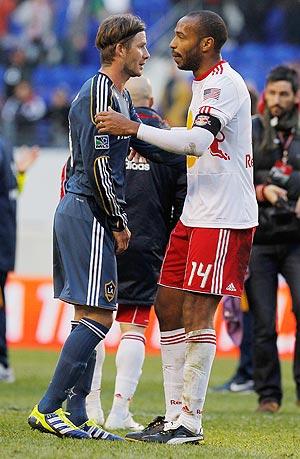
109 290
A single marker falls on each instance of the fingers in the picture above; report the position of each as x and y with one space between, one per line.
136 157
132 154
102 115
122 240
122 246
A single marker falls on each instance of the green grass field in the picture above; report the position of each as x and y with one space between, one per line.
232 428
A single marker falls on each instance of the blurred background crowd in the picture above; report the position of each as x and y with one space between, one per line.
47 51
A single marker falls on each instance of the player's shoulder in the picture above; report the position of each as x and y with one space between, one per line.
228 80
94 95
227 75
95 88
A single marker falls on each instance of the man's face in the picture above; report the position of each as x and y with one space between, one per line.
136 55
185 45
279 97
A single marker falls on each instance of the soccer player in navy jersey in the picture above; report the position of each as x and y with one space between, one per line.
90 226
154 199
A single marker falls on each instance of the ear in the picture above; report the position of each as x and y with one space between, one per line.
151 102
297 97
207 44
120 50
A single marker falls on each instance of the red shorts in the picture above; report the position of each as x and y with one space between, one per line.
133 314
207 260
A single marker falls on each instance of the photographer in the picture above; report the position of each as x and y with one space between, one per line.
276 250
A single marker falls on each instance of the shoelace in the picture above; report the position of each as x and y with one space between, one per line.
158 420
64 417
92 423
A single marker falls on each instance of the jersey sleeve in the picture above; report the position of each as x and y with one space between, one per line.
96 154
149 151
221 99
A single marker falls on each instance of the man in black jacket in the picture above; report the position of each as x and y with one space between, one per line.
276 250
154 195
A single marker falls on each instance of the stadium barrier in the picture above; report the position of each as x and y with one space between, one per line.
36 320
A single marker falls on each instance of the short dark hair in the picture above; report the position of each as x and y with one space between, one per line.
284 73
212 25
119 28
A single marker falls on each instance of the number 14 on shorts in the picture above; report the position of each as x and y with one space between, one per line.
198 269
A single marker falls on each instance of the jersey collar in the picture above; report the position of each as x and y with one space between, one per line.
205 74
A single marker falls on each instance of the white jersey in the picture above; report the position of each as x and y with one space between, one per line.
220 191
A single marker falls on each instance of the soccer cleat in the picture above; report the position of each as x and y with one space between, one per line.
152 428
116 422
176 436
55 423
97 433
7 374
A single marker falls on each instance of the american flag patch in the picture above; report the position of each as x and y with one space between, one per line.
212 93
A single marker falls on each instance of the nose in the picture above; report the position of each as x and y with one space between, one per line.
146 54
277 99
172 44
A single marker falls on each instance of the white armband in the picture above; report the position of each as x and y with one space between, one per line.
181 141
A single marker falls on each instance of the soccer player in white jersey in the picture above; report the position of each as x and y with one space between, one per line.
209 248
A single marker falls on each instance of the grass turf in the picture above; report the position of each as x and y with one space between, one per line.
232 429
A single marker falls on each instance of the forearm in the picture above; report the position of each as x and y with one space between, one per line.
105 194
181 141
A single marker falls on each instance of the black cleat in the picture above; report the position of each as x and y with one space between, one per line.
153 427
175 436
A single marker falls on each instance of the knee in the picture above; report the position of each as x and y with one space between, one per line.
169 318
161 312
126 328
103 316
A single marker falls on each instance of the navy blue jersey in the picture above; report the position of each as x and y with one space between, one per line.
8 195
155 195
98 160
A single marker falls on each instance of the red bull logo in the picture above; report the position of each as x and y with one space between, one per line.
215 150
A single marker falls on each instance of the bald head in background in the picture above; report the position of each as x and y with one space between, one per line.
140 90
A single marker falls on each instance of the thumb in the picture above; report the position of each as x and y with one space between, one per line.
110 109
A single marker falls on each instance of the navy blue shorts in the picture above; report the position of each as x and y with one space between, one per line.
84 262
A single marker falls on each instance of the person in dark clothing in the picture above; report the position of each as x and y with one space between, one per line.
57 115
11 182
21 114
276 249
154 196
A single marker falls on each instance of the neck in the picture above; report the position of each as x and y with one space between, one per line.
116 74
207 64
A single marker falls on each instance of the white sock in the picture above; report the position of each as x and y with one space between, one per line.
173 357
200 353
129 362
93 402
